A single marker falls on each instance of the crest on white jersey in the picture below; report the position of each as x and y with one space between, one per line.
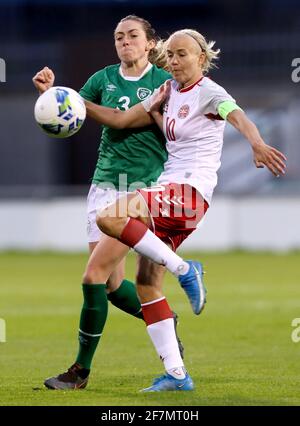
143 93
183 111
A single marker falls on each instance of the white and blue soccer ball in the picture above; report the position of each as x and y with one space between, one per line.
60 112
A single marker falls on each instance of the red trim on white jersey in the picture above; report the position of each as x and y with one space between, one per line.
186 89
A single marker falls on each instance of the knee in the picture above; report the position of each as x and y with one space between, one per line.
91 275
111 226
105 224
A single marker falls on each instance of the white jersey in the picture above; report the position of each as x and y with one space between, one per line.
194 133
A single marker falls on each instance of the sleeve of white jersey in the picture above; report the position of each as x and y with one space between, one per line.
212 96
148 102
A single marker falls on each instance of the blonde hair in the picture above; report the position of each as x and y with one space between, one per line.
158 56
211 55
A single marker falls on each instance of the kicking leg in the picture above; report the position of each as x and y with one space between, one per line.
128 220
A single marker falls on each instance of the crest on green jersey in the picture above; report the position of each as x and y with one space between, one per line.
143 93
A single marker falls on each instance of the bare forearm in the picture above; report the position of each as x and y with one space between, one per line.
263 154
133 117
248 129
158 118
103 115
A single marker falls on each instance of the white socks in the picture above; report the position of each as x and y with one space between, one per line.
178 373
151 246
163 336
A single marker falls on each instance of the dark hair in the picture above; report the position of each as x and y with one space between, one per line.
147 27
157 54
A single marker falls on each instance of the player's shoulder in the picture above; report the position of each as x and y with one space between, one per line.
114 68
160 74
110 69
160 71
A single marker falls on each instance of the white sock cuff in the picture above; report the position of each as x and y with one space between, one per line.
153 301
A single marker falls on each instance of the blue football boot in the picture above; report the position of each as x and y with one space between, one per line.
169 383
192 284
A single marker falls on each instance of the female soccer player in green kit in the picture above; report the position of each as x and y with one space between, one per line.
127 159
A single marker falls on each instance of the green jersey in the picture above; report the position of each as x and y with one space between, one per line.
129 156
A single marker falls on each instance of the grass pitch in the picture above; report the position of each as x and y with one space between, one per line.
239 351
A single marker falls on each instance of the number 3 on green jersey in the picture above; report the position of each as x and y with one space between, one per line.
138 153
125 102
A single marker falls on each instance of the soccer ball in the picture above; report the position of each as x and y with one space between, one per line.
60 112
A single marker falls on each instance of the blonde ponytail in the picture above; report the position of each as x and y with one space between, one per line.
157 55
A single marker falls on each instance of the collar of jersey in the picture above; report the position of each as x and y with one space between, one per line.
130 78
186 89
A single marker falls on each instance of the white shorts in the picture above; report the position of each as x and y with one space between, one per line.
98 198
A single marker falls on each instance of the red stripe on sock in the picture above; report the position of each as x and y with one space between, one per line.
133 232
157 311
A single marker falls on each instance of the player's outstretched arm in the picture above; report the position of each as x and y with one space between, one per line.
158 118
263 154
44 79
135 116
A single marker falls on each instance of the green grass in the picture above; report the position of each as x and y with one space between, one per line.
239 351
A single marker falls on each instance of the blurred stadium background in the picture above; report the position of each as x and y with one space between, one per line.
47 180
240 351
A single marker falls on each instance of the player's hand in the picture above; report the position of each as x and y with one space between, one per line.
274 160
44 79
161 96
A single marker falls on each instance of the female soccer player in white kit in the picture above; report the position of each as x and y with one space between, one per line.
193 120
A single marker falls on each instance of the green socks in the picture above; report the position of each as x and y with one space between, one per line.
94 314
126 299
92 321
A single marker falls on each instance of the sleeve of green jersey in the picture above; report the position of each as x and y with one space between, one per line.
91 91
226 107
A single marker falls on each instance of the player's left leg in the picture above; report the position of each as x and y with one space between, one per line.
149 281
160 327
104 259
